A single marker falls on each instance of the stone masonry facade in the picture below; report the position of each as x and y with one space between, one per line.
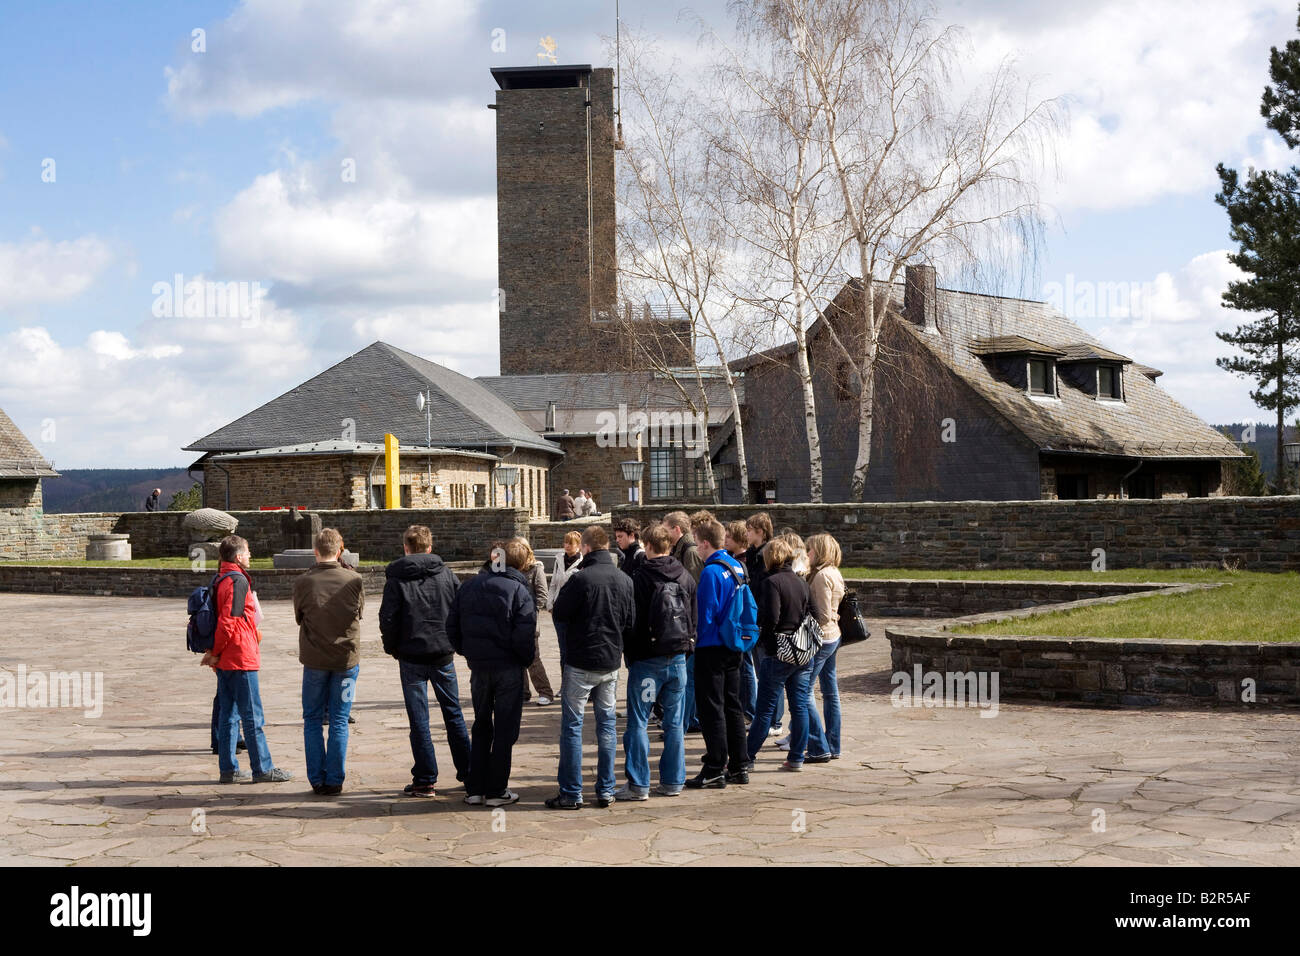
343 482
1254 534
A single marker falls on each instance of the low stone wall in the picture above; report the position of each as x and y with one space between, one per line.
550 534
459 534
1114 673
919 597
149 582
1258 534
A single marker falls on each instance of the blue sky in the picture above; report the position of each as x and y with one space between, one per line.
225 165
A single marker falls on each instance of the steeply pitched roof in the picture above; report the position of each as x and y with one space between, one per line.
1149 423
376 390
1011 345
18 456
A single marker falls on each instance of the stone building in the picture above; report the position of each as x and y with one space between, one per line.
978 398
21 469
320 445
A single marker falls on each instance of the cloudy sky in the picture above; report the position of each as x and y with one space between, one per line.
337 159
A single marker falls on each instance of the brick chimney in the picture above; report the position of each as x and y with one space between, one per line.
921 298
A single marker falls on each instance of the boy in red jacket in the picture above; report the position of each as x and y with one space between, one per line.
236 658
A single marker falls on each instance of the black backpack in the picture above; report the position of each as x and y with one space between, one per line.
670 620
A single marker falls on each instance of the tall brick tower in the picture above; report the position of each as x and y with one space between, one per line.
555 218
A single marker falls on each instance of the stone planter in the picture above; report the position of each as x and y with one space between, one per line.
108 547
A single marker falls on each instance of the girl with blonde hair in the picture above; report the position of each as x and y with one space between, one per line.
826 589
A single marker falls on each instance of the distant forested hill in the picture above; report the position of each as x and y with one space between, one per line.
110 489
1265 443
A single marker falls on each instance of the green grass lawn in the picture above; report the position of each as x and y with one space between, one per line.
1175 575
1250 606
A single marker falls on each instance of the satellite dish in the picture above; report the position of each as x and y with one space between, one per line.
420 402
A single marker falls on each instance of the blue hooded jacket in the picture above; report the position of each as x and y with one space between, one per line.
720 577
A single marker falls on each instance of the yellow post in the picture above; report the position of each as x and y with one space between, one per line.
392 473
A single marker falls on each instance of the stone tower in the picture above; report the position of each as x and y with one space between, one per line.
555 218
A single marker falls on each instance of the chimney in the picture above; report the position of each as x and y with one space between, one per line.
921 298
550 416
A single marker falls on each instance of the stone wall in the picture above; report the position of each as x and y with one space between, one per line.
1109 673
1258 534
375 535
150 582
928 598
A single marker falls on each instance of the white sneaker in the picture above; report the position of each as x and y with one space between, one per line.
773 731
783 743
501 799
543 701
474 800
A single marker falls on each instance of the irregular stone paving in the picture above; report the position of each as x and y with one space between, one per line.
1033 785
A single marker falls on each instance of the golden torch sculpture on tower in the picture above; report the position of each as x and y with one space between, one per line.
392 471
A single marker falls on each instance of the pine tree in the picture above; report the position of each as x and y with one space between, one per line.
190 500
1264 217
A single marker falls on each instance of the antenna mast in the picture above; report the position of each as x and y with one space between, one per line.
618 78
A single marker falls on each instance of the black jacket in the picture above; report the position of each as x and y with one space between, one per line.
599 613
649 578
151 503
493 621
632 558
418 591
783 601
757 568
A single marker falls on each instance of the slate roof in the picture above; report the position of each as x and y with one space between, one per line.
583 401
1012 345
340 447
18 456
1149 423
376 388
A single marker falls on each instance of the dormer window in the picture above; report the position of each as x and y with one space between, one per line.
1108 382
1042 377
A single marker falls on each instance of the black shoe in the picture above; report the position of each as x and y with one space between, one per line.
561 802
737 776
703 781
604 802
240 746
351 719
329 789
818 758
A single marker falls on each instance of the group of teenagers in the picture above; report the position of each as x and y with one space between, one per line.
657 598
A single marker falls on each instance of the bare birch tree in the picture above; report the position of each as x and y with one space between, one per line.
767 138
923 171
670 243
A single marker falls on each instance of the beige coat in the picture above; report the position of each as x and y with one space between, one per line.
826 588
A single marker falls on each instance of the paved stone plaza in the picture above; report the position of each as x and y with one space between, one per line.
915 786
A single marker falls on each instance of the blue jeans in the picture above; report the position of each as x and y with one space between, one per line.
414 693
824 740
238 697
775 676
663 678
216 713
690 719
748 684
778 716
322 691
602 688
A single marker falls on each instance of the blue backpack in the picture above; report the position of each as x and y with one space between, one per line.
202 607
738 630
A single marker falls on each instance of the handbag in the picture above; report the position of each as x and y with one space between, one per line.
801 646
853 626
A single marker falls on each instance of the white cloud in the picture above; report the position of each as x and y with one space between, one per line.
335 243
1158 92
39 270
270 54
1174 332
